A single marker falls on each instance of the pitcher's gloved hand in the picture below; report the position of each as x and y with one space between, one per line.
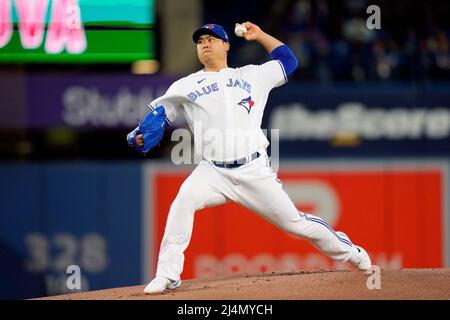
149 132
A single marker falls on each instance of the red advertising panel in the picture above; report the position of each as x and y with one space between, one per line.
396 214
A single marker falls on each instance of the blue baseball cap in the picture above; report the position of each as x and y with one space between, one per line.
211 29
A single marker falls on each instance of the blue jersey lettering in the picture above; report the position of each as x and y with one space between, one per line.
192 96
204 90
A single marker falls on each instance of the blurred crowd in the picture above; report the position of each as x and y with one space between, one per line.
333 43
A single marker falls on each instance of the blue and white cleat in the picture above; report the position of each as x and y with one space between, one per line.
360 258
159 284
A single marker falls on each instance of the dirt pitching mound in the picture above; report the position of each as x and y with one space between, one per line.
423 284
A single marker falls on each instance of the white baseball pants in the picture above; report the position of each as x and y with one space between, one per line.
254 186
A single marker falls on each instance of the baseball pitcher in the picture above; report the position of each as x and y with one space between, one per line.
230 102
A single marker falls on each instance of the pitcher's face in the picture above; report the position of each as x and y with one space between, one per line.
211 50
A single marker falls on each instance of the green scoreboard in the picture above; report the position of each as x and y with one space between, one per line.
76 31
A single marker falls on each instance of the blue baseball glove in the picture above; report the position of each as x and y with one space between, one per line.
152 130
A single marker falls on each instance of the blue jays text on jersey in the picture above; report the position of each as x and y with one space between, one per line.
214 87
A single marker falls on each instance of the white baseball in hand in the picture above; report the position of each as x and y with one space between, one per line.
240 29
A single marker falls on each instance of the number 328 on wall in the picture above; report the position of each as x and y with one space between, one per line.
62 250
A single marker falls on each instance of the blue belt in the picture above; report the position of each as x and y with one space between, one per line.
236 163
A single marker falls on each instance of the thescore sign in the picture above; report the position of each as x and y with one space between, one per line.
296 121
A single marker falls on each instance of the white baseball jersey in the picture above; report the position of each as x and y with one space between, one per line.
224 109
